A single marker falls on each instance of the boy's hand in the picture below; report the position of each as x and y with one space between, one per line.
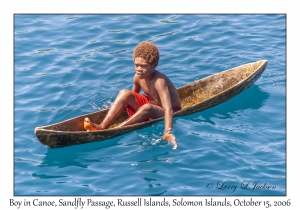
170 138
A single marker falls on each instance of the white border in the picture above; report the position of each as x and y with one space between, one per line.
10 7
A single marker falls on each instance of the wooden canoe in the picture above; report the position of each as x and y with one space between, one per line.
196 96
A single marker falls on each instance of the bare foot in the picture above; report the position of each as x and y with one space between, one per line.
171 138
89 126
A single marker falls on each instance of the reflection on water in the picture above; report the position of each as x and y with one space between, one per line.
252 98
79 155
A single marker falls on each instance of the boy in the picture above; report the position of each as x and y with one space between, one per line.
161 98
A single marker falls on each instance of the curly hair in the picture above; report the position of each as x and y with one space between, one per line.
148 51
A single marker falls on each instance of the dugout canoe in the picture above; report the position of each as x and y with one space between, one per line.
196 96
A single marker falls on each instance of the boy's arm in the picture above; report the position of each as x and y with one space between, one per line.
164 94
136 86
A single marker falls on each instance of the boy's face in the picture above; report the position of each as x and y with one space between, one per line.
143 69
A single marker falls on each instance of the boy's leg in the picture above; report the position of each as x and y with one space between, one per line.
124 97
144 112
152 111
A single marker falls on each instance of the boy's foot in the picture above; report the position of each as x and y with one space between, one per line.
89 126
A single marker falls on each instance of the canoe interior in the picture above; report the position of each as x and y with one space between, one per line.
190 95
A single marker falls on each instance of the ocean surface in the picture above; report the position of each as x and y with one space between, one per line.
66 65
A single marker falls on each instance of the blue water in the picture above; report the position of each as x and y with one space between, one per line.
70 65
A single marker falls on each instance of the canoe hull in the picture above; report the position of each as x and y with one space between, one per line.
226 94
195 97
